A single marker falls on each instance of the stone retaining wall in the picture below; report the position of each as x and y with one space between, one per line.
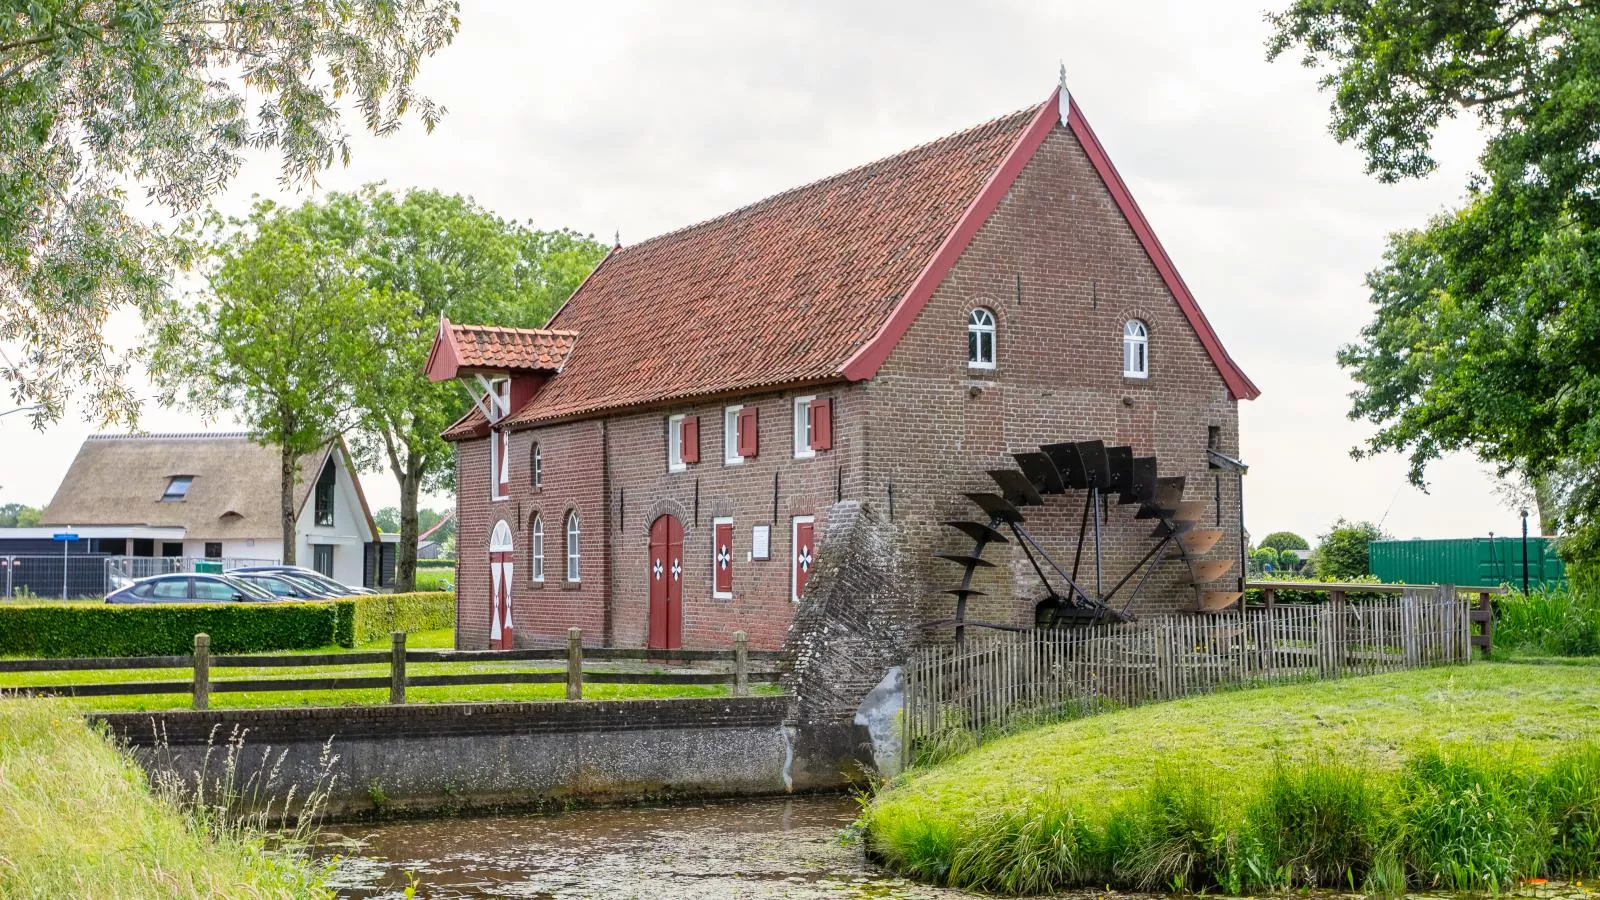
493 755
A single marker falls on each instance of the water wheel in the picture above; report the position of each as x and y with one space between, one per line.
1087 589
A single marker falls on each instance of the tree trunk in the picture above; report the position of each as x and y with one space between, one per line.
1549 506
289 458
405 557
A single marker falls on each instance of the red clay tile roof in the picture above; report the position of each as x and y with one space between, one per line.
814 284
494 348
779 292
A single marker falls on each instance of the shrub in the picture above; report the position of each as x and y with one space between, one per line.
1343 554
1264 557
1285 540
68 630
1028 850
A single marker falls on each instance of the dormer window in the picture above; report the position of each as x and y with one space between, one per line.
177 489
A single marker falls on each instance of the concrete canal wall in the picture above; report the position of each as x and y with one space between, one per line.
495 755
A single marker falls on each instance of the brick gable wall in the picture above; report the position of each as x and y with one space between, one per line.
1062 271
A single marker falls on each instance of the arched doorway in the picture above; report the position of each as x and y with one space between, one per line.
501 547
666 584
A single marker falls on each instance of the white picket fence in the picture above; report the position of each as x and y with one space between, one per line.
999 677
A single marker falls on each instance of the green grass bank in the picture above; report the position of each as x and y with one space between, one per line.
77 819
1462 778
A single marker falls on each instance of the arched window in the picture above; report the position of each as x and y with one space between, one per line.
537 569
537 466
572 546
980 339
1135 350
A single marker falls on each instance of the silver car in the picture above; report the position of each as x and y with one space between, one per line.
186 587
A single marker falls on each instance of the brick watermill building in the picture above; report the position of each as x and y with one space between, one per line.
962 386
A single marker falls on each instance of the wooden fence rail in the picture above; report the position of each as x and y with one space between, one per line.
994 681
736 671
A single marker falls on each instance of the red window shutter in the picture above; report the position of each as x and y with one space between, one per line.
690 435
723 558
749 440
821 425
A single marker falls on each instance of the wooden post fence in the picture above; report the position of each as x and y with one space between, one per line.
574 664
397 668
202 671
741 664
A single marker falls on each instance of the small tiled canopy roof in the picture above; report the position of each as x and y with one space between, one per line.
466 348
815 284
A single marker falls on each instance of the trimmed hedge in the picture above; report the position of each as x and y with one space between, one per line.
376 616
63 630
436 564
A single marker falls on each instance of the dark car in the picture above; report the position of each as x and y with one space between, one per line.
285 586
184 587
301 573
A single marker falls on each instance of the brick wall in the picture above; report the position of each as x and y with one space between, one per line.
614 472
1062 272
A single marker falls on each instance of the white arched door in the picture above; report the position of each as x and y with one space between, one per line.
501 547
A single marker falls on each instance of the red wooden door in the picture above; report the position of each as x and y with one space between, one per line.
666 584
805 554
500 637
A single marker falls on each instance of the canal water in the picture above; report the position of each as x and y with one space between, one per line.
788 848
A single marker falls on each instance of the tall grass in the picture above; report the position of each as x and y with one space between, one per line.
1558 622
1465 820
78 819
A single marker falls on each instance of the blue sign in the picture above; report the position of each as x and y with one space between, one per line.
63 536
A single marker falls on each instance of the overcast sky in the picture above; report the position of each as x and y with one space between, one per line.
645 117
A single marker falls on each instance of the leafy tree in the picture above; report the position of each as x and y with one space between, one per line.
1265 557
1342 554
1285 540
277 341
1486 336
165 99
425 255
387 520
16 515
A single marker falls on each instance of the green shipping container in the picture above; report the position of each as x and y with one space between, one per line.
1467 561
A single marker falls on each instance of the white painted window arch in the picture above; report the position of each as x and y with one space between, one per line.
1135 349
980 338
500 539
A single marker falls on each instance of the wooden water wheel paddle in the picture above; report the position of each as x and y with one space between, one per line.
1089 590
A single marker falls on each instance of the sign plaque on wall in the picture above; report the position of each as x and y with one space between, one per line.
761 542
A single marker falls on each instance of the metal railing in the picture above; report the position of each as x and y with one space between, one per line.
89 575
735 670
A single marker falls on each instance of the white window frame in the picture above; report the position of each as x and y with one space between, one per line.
537 543
574 548
982 330
1135 343
730 436
794 550
716 594
538 466
675 461
499 466
802 427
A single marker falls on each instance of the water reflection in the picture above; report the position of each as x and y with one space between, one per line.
751 849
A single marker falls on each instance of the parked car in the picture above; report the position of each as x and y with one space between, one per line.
302 573
285 586
186 587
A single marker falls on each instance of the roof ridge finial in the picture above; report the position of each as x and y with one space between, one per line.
616 242
1064 99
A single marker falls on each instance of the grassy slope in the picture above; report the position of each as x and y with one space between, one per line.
77 820
418 640
1230 741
